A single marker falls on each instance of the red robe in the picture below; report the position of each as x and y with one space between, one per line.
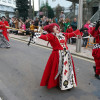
51 68
96 52
5 33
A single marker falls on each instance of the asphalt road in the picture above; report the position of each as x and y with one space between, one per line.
21 69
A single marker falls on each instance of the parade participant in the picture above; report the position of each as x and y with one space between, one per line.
60 70
96 50
4 34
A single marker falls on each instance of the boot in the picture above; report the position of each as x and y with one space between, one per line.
94 67
97 76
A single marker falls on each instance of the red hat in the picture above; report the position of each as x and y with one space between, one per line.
49 28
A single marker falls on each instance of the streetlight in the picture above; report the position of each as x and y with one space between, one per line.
80 21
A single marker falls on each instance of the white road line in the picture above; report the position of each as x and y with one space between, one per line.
51 49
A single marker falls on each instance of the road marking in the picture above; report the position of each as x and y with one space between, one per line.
51 50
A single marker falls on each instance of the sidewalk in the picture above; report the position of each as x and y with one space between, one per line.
85 52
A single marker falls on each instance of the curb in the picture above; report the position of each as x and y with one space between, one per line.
51 48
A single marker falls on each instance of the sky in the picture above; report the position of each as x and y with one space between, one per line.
52 3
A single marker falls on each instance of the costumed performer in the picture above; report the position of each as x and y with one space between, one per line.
96 50
4 40
59 70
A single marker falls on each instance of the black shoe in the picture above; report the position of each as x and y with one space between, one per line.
7 47
97 76
94 67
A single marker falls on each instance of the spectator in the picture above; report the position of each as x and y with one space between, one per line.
47 21
62 15
13 19
36 23
23 27
40 22
74 26
56 20
85 33
43 21
87 25
66 24
20 24
27 23
50 21
69 30
16 22
61 24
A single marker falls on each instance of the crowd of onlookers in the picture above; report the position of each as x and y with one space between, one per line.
65 25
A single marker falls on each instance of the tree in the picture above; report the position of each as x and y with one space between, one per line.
22 7
48 11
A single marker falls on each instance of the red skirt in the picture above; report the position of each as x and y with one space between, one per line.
96 55
51 70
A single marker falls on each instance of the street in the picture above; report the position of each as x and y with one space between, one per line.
21 69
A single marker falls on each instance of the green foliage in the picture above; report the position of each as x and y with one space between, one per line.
22 7
48 11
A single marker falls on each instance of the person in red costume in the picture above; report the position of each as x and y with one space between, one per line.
4 40
69 30
59 70
96 50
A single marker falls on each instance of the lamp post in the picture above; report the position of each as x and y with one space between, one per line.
80 21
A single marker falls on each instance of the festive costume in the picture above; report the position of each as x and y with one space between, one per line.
4 35
60 70
96 50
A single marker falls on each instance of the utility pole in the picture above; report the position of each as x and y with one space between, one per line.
39 7
33 9
80 21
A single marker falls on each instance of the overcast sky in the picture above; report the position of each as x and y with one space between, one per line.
52 3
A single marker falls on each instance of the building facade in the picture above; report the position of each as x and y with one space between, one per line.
7 8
